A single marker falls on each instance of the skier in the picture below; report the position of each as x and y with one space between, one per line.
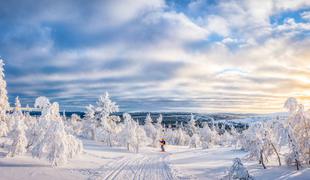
162 144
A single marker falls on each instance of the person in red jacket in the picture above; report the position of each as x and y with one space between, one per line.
162 144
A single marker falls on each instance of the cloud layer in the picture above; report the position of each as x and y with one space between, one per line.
156 55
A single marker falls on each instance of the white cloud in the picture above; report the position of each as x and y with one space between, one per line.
175 26
283 5
114 13
215 24
291 27
306 15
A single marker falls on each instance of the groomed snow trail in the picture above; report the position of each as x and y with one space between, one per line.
135 167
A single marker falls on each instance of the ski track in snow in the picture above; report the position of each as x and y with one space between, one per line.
136 167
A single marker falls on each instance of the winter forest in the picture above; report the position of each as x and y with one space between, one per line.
155 90
58 139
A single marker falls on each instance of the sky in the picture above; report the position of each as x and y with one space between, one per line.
156 55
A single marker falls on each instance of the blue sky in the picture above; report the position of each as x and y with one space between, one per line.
156 55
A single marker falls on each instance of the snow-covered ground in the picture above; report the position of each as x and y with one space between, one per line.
215 162
101 162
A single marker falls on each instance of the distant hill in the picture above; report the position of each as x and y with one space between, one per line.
172 118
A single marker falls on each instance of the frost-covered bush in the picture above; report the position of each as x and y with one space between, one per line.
238 171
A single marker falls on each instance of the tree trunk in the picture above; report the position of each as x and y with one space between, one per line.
30 144
309 156
296 160
297 164
109 140
275 150
262 159
93 134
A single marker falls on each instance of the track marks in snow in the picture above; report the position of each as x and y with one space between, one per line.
136 167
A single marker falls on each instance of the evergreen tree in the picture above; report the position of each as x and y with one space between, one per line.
18 136
150 130
4 103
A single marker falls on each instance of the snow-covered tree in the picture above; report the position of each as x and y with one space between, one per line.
238 171
298 131
105 106
42 102
31 122
133 136
90 123
16 116
159 120
195 141
273 132
50 138
58 145
100 123
235 136
254 143
151 130
4 103
181 138
109 132
178 136
17 104
3 128
223 136
191 126
294 155
192 131
262 141
74 125
159 129
170 136
18 136
206 136
291 105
